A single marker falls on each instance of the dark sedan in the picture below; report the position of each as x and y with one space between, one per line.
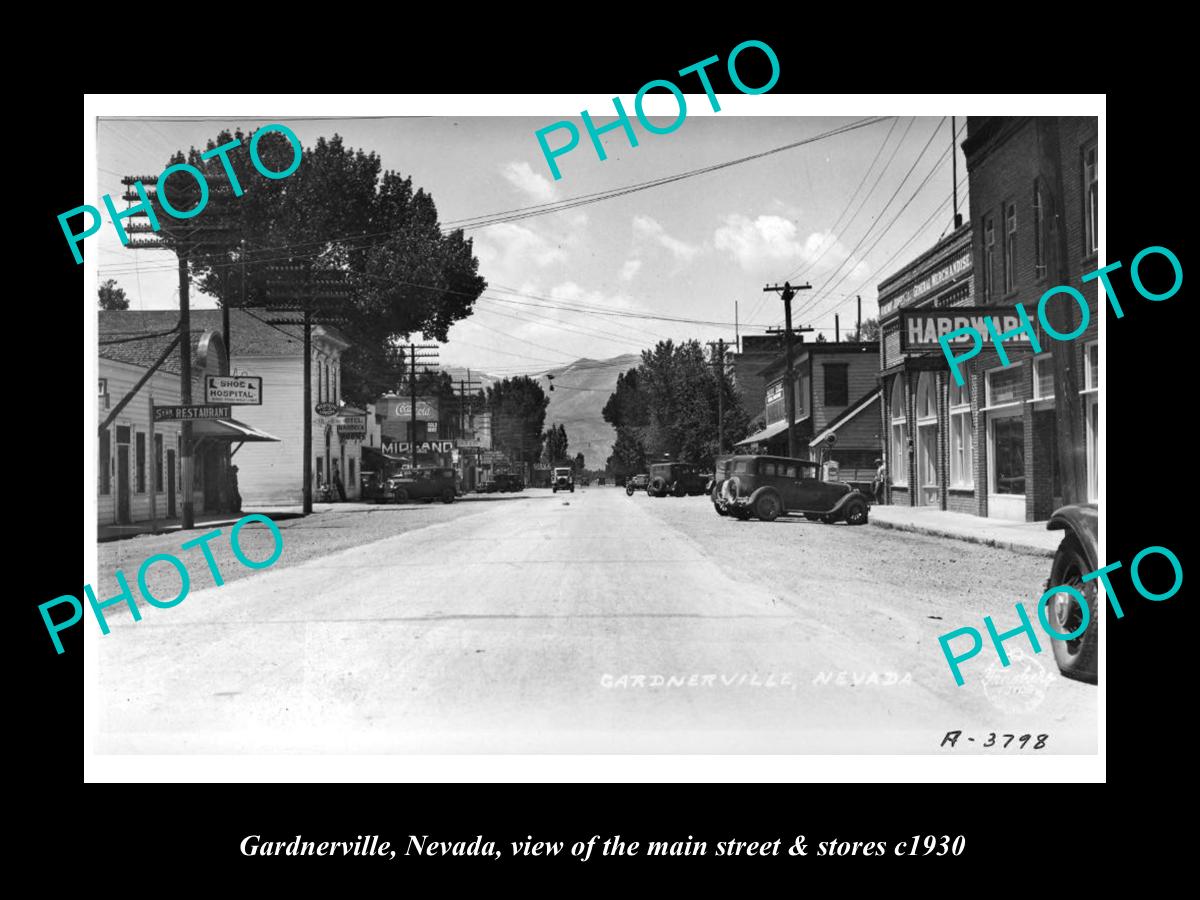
772 486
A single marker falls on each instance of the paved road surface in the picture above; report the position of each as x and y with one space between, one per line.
556 623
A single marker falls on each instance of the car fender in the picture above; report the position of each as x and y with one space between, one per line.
1079 521
850 495
768 489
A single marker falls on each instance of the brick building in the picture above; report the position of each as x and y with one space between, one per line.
755 353
1034 211
929 421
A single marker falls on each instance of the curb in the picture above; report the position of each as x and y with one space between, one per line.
1014 546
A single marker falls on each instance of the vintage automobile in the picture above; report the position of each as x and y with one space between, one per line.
372 488
771 486
636 483
424 484
508 483
1075 557
563 479
675 479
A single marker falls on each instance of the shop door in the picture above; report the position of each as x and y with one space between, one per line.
927 465
123 484
170 484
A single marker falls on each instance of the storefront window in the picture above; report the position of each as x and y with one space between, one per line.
1008 455
927 431
962 436
1091 358
1043 378
775 411
105 463
898 464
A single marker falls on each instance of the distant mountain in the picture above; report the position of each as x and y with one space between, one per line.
580 391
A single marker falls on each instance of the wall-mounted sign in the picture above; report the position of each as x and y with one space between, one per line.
326 408
403 410
351 427
775 392
195 411
935 278
921 328
422 446
236 390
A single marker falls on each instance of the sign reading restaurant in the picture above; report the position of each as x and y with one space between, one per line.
237 390
921 328
195 411
928 283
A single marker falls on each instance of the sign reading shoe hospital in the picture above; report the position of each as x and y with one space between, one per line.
921 328
236 390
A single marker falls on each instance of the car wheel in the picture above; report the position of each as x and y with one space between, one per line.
720 512
768 507
856 513
400 495
572 489
447 496
1076 658
629 490
658 487
740 513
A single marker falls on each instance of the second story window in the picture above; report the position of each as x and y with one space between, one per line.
989 252
1010 247
1091 200
1039 239
837 384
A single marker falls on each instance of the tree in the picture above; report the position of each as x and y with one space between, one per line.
518 408
556 444
579 462
821 339
336 219
870 332
112 297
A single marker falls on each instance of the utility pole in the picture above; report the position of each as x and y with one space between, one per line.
737 337
858 328
427 354
837 328
786 291
718 351
954 172
1072 468
184 239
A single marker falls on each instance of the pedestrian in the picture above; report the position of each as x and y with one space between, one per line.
880 482
337 484
235 497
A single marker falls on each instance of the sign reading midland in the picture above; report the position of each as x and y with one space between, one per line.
238 390
921 328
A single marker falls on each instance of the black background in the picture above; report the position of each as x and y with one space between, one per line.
1012 830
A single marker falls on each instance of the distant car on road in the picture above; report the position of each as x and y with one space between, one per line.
772 486
563 480
372 488
1075 557
424 484
676 480
637 483
507 482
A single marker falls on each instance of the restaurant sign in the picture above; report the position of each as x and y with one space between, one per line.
921 328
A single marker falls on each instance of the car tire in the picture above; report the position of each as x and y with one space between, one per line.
1076 658
400 495
856 513
720 512
658 487
740 513
768 507
447 496
629 490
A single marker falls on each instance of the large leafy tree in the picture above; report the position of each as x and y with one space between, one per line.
361 244
556 444
112 296
518 408
668 406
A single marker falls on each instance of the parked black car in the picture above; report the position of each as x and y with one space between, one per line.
771 486
424 484
1075 557
508 482
636 483
675 479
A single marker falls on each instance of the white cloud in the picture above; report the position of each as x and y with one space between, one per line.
649 229
630 269
537 187
507 249
772 241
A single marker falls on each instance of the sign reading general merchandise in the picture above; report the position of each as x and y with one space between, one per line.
928 283
236 390
921 328
195 411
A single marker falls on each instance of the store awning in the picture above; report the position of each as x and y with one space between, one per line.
847 416
769 432
229 430
375 455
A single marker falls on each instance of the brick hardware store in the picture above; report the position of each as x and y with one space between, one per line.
991 447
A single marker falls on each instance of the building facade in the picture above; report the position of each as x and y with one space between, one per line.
930 422
836 406
1035 225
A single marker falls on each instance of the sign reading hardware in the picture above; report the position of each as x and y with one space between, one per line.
195 411
921 328
236 390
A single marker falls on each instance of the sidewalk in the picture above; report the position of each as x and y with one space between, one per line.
203 520
1021 537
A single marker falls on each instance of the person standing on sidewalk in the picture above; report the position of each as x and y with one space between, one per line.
337 484
879 485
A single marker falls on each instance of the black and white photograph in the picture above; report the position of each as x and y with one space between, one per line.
639 433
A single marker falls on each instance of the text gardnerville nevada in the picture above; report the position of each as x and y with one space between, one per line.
445 438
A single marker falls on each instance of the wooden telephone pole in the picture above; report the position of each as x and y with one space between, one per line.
427 354
786 292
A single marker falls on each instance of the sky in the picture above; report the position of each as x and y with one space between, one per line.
842 213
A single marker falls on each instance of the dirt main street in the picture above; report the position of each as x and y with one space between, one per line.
587 622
